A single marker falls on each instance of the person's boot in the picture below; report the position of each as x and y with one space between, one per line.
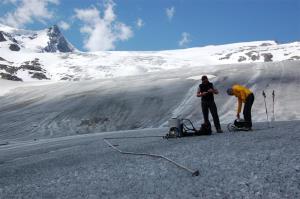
219 131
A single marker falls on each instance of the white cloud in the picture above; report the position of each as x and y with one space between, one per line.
90 15
28 11
185 39
102 31
170 12
64 25
123 32
140 23
109 14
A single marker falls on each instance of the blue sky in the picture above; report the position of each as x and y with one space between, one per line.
92 25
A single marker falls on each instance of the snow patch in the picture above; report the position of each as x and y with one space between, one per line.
7 86
198 77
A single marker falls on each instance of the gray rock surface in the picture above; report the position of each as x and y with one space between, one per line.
2 38
10 77
14 47
263 163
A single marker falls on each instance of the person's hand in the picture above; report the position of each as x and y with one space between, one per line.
210 90
238 116
204 93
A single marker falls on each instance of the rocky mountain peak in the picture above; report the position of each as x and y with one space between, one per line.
2 36
57 42
54 29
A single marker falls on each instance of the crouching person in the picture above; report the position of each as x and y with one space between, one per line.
245 96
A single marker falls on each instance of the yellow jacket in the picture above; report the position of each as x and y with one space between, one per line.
241 93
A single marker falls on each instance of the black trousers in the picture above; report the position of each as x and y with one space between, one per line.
247 110
210 106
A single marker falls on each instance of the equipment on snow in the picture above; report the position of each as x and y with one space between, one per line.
205 129
175 128
194 172
264 95
238 125
178 128
184 127
273 115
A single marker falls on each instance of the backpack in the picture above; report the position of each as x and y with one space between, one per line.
240 123
205 129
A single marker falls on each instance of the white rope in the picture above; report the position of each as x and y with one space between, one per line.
194 173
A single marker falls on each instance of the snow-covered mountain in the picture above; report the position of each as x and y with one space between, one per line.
21 43
48 40
145 101
127 86
47 55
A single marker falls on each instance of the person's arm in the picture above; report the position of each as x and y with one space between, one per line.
239 108
199 92
237 92
213 90
243 96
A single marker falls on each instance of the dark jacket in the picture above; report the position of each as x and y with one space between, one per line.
204 88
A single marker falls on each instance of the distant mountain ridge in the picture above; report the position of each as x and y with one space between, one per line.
27 55
48 40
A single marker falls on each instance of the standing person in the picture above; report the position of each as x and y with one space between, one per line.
245 96
206 91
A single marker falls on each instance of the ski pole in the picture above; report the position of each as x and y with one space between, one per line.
264 95
273 95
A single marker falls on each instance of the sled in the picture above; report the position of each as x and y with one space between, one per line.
237 125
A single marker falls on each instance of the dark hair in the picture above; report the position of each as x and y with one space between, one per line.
204 77
229 91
